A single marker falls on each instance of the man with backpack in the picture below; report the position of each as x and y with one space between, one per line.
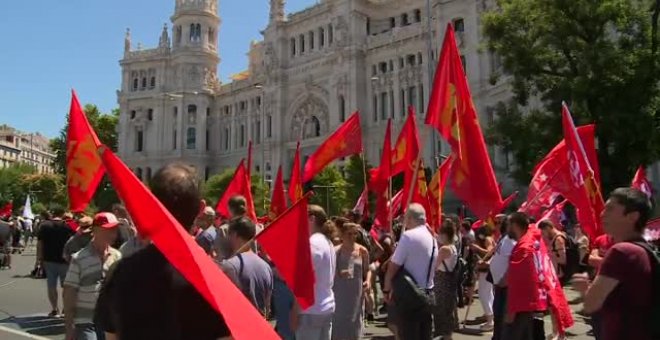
624 292
564 252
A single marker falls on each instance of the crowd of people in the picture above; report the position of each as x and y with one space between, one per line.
117 285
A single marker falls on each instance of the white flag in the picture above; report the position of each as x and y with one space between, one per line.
27 210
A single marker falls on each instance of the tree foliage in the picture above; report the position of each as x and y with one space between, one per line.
216 185
354 172
330 190
17 181
600 57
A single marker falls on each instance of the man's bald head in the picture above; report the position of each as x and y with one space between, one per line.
177 187
415 216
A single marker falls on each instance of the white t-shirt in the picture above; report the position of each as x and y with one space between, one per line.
323 261
499 263
414 252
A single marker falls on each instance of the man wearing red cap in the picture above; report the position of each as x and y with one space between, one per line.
87 271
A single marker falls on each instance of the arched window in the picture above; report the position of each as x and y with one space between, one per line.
152 83
311 40
404 19
150 114
198 32
316 126
321 37
191 138
342 109
136 83
292 42
139 141
177 35
459 25
144 82
192 32
133 114
192 114
418 15
302 43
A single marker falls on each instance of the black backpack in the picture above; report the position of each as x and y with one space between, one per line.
654 257
572 265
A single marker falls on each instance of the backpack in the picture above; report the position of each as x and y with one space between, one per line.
460 273
654 257
572 265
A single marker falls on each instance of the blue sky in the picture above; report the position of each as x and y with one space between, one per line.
51 46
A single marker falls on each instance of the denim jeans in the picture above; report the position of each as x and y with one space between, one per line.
55 271
282 304
88 331
499 312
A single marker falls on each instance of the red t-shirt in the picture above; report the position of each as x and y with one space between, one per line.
626 310
603 243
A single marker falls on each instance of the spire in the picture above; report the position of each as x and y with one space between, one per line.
127 41
164 38
277 10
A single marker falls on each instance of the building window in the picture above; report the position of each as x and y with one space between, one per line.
402 101
192 114
139 140
242 136
392 22
321 37
418 15
410 60
383 106
174 138
206 141
459 25
269 126
375 108
342 109
392 104
177 35
301 38
195 32
152 83
311 40
150 114
191 138
330 34
412 95
401 63
419 58
404 19
148 171
312 128
136 82
226 138
293 46
258 124
421 98
368 26
390 65
208 112
144 83
382 67
133 114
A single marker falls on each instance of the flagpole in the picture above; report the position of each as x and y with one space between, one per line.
248 243
538 195
414 178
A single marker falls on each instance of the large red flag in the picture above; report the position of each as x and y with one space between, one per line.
436 192
396 203
5 212
380 180
293 258
278 201
554 214
406 149
295 182
345 141
84 169
240 185
586 196
157 224
552 176
452 112
641 182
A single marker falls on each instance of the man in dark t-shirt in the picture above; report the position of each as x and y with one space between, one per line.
621 293
5 244
145 297
52 237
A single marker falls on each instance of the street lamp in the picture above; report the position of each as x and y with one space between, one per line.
327 195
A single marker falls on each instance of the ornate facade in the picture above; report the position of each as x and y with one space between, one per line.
32 149
312 69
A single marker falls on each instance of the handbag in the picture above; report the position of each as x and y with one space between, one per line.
408 296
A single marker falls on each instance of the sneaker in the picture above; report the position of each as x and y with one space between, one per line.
487 327
53 314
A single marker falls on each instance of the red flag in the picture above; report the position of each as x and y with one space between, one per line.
249 160
642 183
293 258
406 149
436 192
84 169
586 196
295 183
239 185
533 283
396 203
415 187
6 211
452 112
157 224
652 230
554 214
345 141
552 175
362 205
380 180
278 201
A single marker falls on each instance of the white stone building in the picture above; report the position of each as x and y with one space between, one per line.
28 148
312 69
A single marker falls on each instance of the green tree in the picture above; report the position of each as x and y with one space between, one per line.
216 185
105 126
330 190
600 57
11 189
355 177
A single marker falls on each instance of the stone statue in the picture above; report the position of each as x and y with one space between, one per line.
164 38
277 10
127 41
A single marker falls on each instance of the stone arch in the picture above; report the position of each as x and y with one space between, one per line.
309 118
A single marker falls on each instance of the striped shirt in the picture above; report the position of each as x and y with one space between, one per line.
86 274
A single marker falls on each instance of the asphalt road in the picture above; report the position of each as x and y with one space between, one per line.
24 308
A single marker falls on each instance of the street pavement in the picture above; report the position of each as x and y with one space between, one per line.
24 308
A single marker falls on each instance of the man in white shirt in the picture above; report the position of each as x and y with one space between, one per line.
416 249
315 322
499 264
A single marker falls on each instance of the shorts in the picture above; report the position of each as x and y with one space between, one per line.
54 271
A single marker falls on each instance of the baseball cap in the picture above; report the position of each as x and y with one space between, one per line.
105 220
